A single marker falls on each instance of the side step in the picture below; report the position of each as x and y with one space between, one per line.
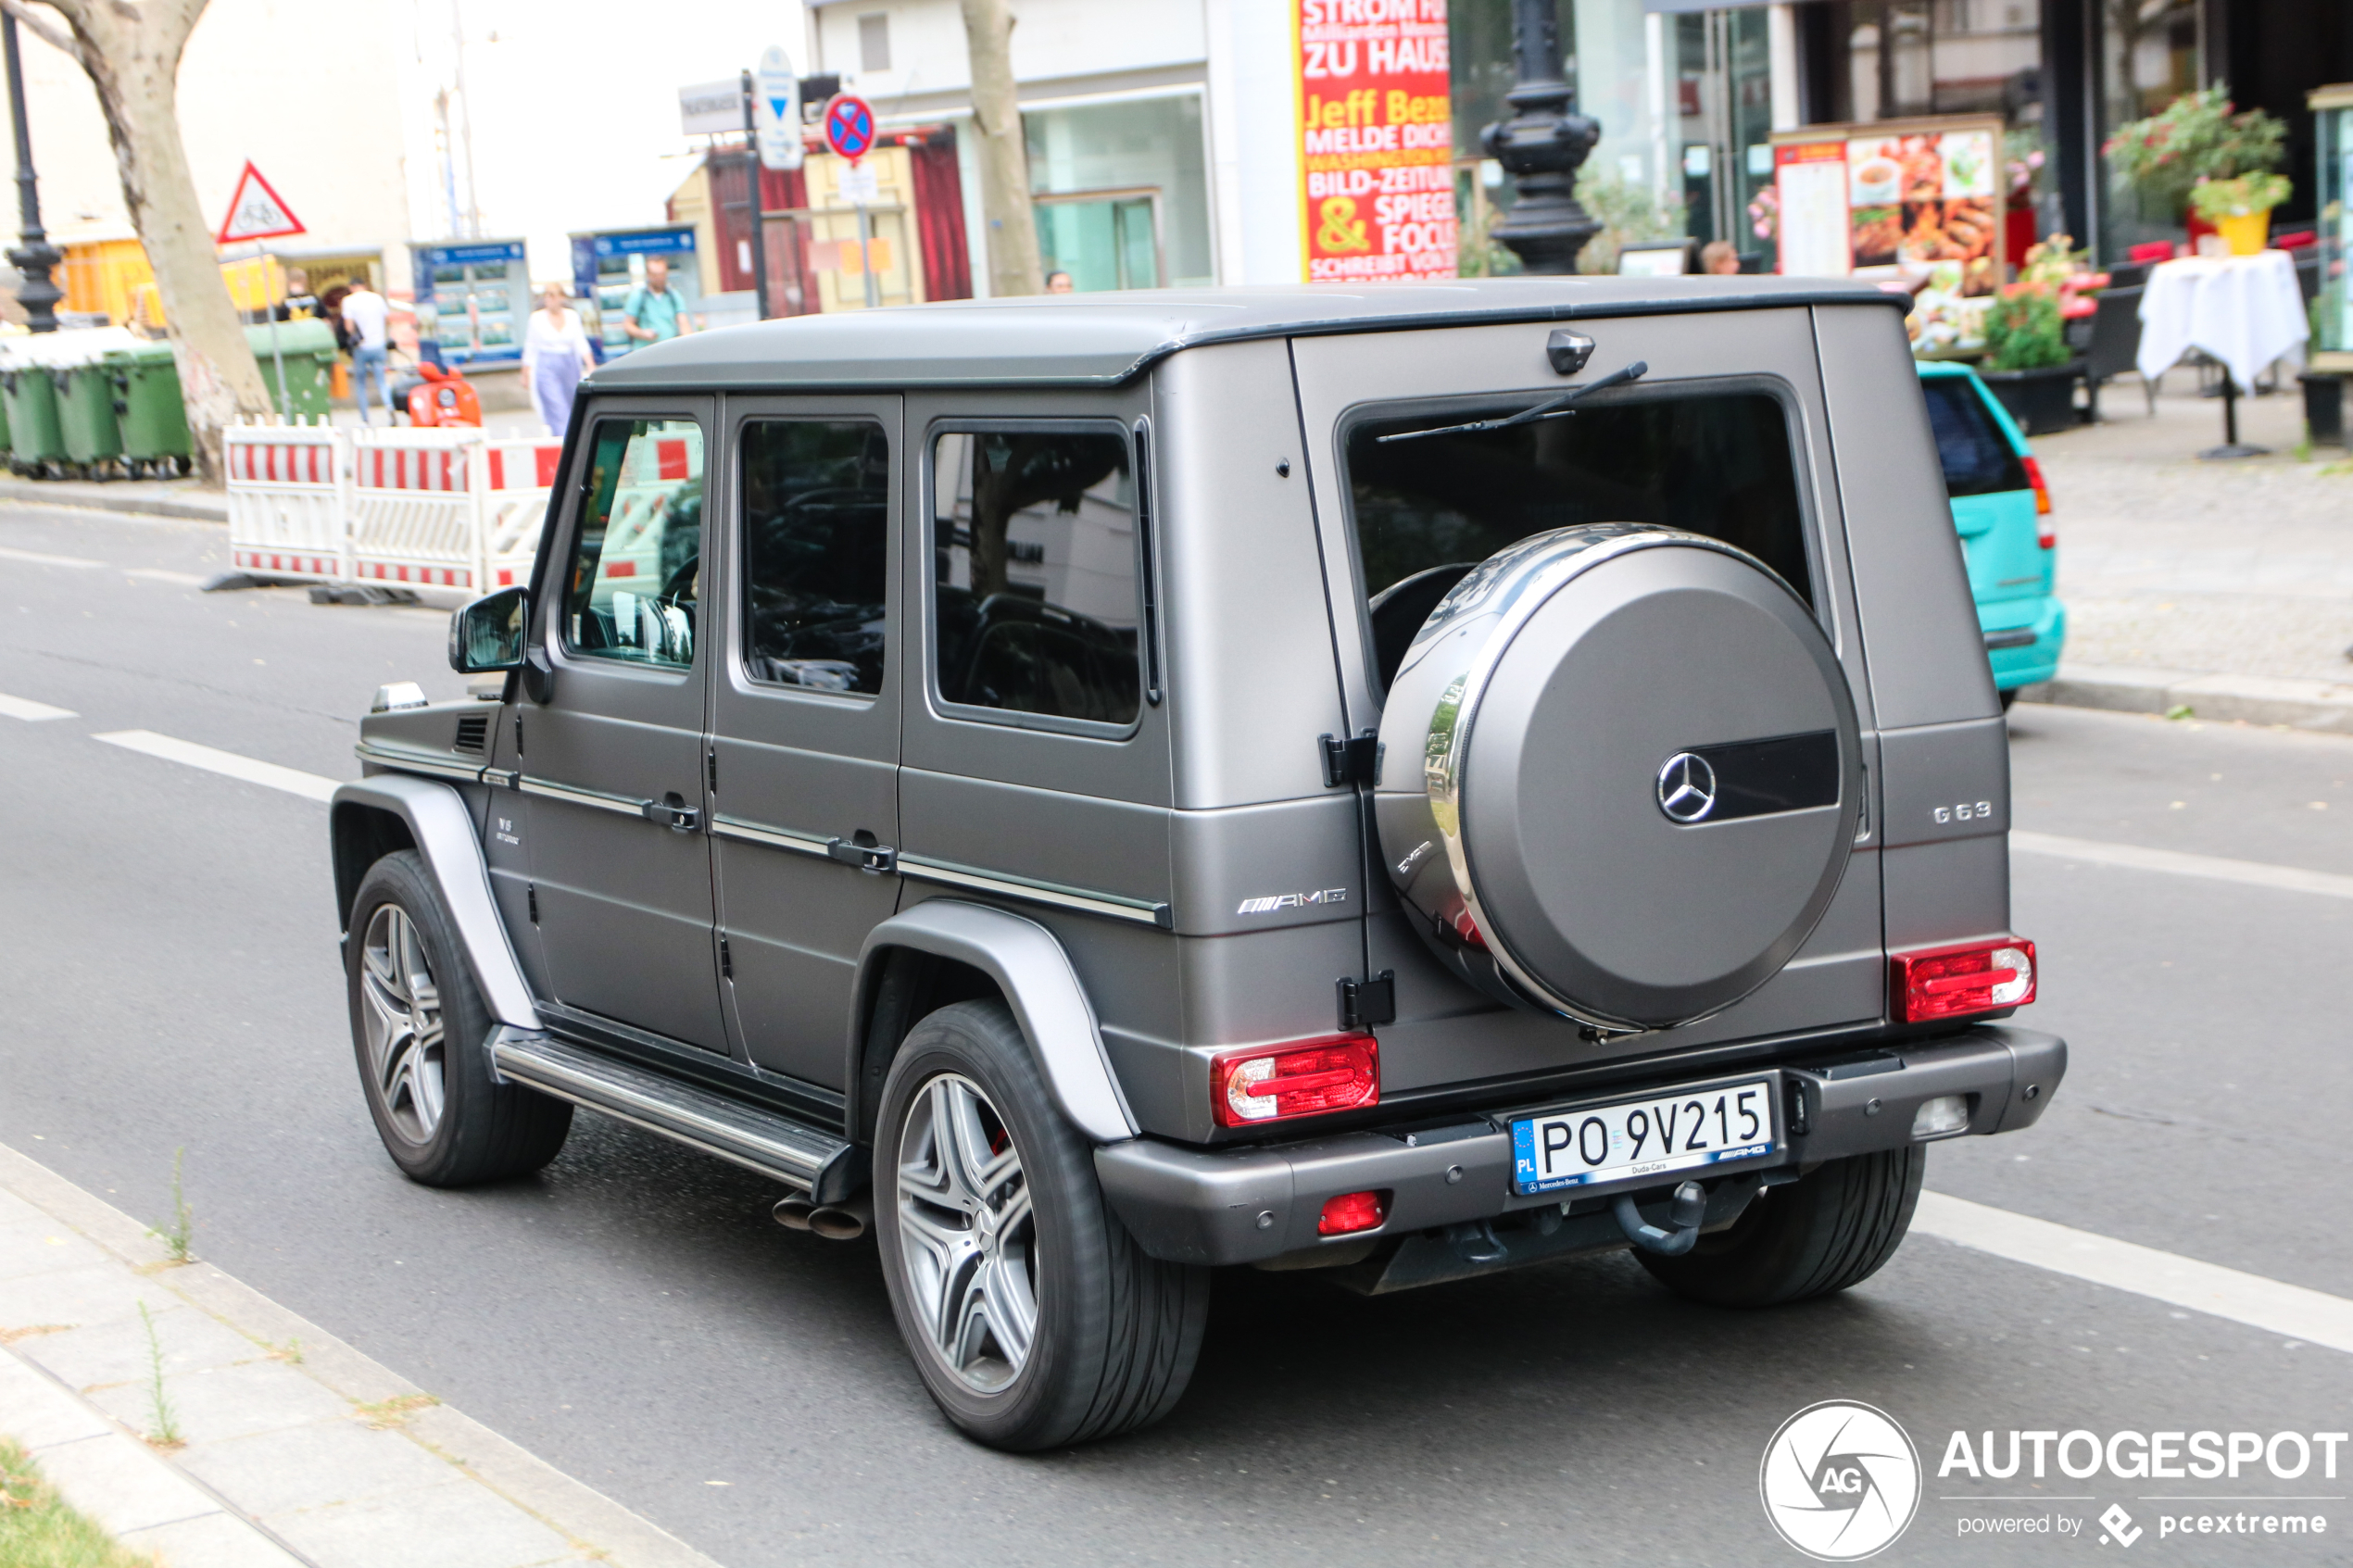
818 1163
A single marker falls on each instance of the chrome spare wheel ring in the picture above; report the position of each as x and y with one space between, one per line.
401 1012
967 1232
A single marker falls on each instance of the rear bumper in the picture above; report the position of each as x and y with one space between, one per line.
2023 640
1218 1206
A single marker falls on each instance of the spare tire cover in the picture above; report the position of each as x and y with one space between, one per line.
1619 774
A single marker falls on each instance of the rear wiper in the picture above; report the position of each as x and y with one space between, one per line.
1556 408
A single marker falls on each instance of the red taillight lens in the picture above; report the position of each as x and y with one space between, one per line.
1954 982
1270 1083
2046 532
1352 1211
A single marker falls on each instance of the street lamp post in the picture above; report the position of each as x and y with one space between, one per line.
36 256
1541 147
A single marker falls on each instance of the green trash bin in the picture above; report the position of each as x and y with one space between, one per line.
30 398
308 346
86 425
148 406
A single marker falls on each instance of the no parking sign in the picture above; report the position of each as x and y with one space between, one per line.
849 127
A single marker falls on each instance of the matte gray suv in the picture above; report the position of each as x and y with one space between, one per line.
1406 782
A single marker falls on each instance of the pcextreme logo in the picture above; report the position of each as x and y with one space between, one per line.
1840 1481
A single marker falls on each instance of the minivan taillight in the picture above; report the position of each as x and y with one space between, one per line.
2046 532
1956 982
1303 1078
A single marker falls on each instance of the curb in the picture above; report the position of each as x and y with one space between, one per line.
538 1497
2325 705
111 498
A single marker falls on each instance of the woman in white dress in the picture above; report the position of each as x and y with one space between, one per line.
555 356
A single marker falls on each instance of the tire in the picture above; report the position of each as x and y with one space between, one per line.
421 1032
1113 1333
1820 1234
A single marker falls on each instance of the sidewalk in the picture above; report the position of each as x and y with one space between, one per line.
2223 587
296 1448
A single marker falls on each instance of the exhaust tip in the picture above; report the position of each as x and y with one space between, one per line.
793 1213
843 1221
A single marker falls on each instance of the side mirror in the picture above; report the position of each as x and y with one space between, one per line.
487 635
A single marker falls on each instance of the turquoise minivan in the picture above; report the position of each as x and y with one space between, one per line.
2003 511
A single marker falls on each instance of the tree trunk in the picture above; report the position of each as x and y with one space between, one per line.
132 58
1004 155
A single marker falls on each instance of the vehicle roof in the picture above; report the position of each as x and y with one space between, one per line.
1105 339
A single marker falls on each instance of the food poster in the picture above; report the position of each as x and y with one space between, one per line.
1377 126
1896 199
1926 198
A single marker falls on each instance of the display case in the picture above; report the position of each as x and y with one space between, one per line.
473 299
609 265
2332 304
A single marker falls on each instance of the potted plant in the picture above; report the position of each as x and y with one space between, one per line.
2240 210
2028 365
2198 136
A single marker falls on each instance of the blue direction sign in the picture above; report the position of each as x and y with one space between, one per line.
849 127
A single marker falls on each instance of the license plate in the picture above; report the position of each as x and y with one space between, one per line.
1585 1145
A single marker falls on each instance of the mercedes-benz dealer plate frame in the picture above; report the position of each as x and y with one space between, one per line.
1738 1125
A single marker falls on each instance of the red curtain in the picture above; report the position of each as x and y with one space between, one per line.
939 217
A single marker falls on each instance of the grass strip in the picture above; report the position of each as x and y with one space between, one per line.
38 1530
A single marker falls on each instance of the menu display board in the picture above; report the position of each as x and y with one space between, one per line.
1893 197
1377 139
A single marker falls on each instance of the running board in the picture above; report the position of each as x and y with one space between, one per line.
801 1156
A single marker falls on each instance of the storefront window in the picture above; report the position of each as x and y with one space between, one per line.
1904 58
2148 58
1123 194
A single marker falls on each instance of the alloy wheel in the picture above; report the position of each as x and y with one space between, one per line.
401 1009
967 1232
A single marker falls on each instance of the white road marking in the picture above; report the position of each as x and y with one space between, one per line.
158 575
25 708
2214 867
2291 1310
37 558
294 780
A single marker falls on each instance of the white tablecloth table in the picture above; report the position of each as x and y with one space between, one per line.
2242 310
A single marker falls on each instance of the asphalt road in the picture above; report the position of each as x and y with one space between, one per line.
169 967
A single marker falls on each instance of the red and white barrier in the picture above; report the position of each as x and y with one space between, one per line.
421 508
287 501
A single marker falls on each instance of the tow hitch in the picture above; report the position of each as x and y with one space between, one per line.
1684 1211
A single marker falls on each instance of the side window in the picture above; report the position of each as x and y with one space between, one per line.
1035 603
816 511
637 566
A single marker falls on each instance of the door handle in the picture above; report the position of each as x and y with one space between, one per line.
876 857
672 812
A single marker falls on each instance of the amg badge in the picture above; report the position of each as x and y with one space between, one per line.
1268 905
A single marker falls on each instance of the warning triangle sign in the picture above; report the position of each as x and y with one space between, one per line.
256 212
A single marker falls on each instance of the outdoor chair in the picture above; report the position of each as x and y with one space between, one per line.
2115 338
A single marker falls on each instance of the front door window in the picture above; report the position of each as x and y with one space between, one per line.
636 574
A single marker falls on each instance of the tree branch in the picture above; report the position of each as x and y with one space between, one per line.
46 29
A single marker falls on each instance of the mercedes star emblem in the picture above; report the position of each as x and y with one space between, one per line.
1686 788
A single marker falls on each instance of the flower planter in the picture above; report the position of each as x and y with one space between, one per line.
2246 233
2042 400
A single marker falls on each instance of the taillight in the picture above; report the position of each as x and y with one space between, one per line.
2045 531
1307 1078
1954 982
1352 1211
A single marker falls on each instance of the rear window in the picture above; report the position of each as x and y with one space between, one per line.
1427 511
1976 455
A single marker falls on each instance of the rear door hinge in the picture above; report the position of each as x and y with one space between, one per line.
727 960
710 768
1364 1002
530 894
1350 761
